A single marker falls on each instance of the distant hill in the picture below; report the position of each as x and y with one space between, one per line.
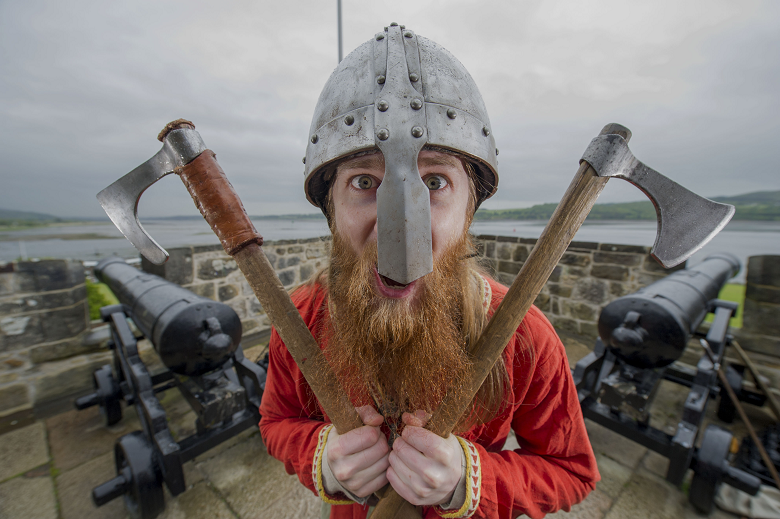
761 205
8 214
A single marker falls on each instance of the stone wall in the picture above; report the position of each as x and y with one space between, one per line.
44 319
211 273
761 320
587 278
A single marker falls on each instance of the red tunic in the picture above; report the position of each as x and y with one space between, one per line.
553 469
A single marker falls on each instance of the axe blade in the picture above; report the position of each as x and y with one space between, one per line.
120 199
686 221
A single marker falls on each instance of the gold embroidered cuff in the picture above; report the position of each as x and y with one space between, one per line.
316 470
473 484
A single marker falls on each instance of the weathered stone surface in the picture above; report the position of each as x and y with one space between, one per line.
764 270
760 343
306 271
762 294
614 476
490 249
556 274
615 247
47 275
564 324
761 318
583 245
509 267
650 497
520 254
613 272
287 277
207 248
651 265
617 289
592 507
26 498
227 292
54 380
216 268
559 290
543 302
644 279
281 251
13 396
589 330
505 279
178 268
507 239
76 437
199 501
295 249
42 301
555 306
577 260
592 290
577 310
612 445
629 260
504 251
22 450
314 252
77 345
486 237
23 330
74 488
202 289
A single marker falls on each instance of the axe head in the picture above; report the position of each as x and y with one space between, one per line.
686 221
120 199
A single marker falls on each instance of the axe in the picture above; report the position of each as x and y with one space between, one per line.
686 222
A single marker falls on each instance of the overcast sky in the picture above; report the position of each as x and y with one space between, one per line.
86 86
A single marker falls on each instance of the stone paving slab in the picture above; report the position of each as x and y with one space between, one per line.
28 498
76 437
612 445
22 450
74 488
614 476
592 507
199 501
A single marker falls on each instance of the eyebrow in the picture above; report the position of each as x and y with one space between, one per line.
440 160
366 161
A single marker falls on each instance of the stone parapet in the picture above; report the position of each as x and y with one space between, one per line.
587 278
761 320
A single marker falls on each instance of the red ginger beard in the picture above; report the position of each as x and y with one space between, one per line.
406 353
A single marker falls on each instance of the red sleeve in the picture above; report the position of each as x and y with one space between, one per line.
290 417
555 466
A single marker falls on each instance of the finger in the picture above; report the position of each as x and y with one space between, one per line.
399 477
431 445
369 416
417 419
354 441
373 485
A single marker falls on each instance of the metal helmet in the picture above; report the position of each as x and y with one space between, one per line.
400 92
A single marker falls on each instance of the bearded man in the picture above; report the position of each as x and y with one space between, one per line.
400 157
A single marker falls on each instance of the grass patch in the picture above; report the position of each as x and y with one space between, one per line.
736 293
98 296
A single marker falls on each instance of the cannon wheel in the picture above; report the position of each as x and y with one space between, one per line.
710 460
134 458
109 394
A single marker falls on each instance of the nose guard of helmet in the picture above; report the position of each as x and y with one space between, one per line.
404 240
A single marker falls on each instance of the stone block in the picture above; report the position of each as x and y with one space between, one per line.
486 237
761 318
509 267
53 380
272 258
565 324
480 247
202 289
577 310
577 260
74 488
37 302
197 249
643 279
507 239
505 279
528 241
314 252
22 450
489 265
762 294
281 251
590 330
249 325
759 343
594 506
556 274
306 272
178 268
555 306
520 254
612 445
21 331
490 249
651 265
559 290
614 476
287 277
764 270
543 302
504 251
28 497
583 245
613 272
63 349
216 268
227 292
13 396
592 290
615 247
47 275
617 289
292 261
617 258
295 249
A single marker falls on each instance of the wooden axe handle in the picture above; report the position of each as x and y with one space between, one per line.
574 207
220 206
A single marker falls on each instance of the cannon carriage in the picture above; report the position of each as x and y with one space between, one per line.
198 341
640 338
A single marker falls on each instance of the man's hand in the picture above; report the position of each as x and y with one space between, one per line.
359 458
424 467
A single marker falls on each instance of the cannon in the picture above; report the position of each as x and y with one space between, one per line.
198 342
640 337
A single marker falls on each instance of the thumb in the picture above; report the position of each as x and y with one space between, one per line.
369 416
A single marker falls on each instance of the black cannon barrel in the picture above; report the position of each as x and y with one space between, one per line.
651 327
192 334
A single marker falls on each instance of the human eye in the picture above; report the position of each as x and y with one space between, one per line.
364 182
435 182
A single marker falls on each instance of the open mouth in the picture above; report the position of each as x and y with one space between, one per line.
390 288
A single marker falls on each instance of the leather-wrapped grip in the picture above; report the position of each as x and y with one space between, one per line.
218 202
